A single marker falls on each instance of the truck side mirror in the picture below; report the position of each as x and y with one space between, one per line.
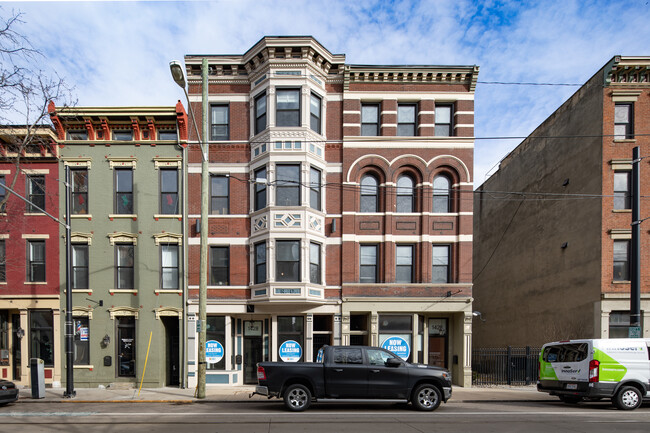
393 362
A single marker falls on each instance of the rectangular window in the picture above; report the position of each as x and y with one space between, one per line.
404 263
287 185
35 193
124 135
260 188
287 111
216 331
81 347
287 261
370 119
80 267
169 267
443 123
169 191
622 190
124 191
347 355
260 263
441 269
3 195
77 135
125 346
315 113
396 326
406 119
167 135
368 263
3 261
219 266
314 263
315 188
260 113
36 261
622 260
41 338
124 261
79 191
292 328
219 191
619 324
623 121
219 122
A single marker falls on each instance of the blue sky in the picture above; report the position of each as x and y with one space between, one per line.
118 53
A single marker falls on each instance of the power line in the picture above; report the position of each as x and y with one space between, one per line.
502 83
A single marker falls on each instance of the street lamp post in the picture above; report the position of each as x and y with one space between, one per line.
179 78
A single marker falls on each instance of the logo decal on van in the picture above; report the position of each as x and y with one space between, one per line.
570 371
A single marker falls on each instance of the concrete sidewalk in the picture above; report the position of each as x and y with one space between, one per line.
242 394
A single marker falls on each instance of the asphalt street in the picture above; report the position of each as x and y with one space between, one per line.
270 417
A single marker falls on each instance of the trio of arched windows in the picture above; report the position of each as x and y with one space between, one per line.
405 194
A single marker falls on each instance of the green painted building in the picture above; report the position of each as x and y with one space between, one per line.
127 268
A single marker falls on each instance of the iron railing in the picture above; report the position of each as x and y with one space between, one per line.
505 366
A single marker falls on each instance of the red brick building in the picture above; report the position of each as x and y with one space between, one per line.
338 207
552 259
29 253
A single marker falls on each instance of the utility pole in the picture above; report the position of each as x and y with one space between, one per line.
69 326
203 267
179 77
635 250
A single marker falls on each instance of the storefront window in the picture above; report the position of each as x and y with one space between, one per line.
619 324
291 328
81 341
42 336
216 331
395 328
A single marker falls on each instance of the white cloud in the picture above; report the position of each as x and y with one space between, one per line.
117 53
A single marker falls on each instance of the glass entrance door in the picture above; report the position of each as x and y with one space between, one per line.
438 342
16 353
253 349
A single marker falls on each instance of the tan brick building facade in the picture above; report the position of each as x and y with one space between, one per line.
339 210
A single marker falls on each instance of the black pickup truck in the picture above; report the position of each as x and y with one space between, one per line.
354 373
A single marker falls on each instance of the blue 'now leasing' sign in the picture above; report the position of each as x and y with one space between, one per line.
213 351
398 346
290 351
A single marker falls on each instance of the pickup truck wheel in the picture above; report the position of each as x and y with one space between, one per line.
297 398
627 398
426 397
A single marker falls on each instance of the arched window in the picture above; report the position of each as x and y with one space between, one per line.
405 195
369 194
441 194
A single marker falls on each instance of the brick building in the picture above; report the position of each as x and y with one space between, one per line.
337 208
29 253
127 204
551 258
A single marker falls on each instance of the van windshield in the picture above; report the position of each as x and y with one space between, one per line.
572 352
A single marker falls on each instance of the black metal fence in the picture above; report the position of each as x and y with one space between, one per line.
505 366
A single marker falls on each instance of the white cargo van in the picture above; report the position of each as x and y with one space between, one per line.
577 370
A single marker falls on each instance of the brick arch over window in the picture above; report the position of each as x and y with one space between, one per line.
415 174
452 164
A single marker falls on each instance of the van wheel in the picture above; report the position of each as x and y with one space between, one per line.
297 398
570 399
627 398
426 397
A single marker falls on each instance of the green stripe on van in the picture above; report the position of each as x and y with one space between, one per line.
610 370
